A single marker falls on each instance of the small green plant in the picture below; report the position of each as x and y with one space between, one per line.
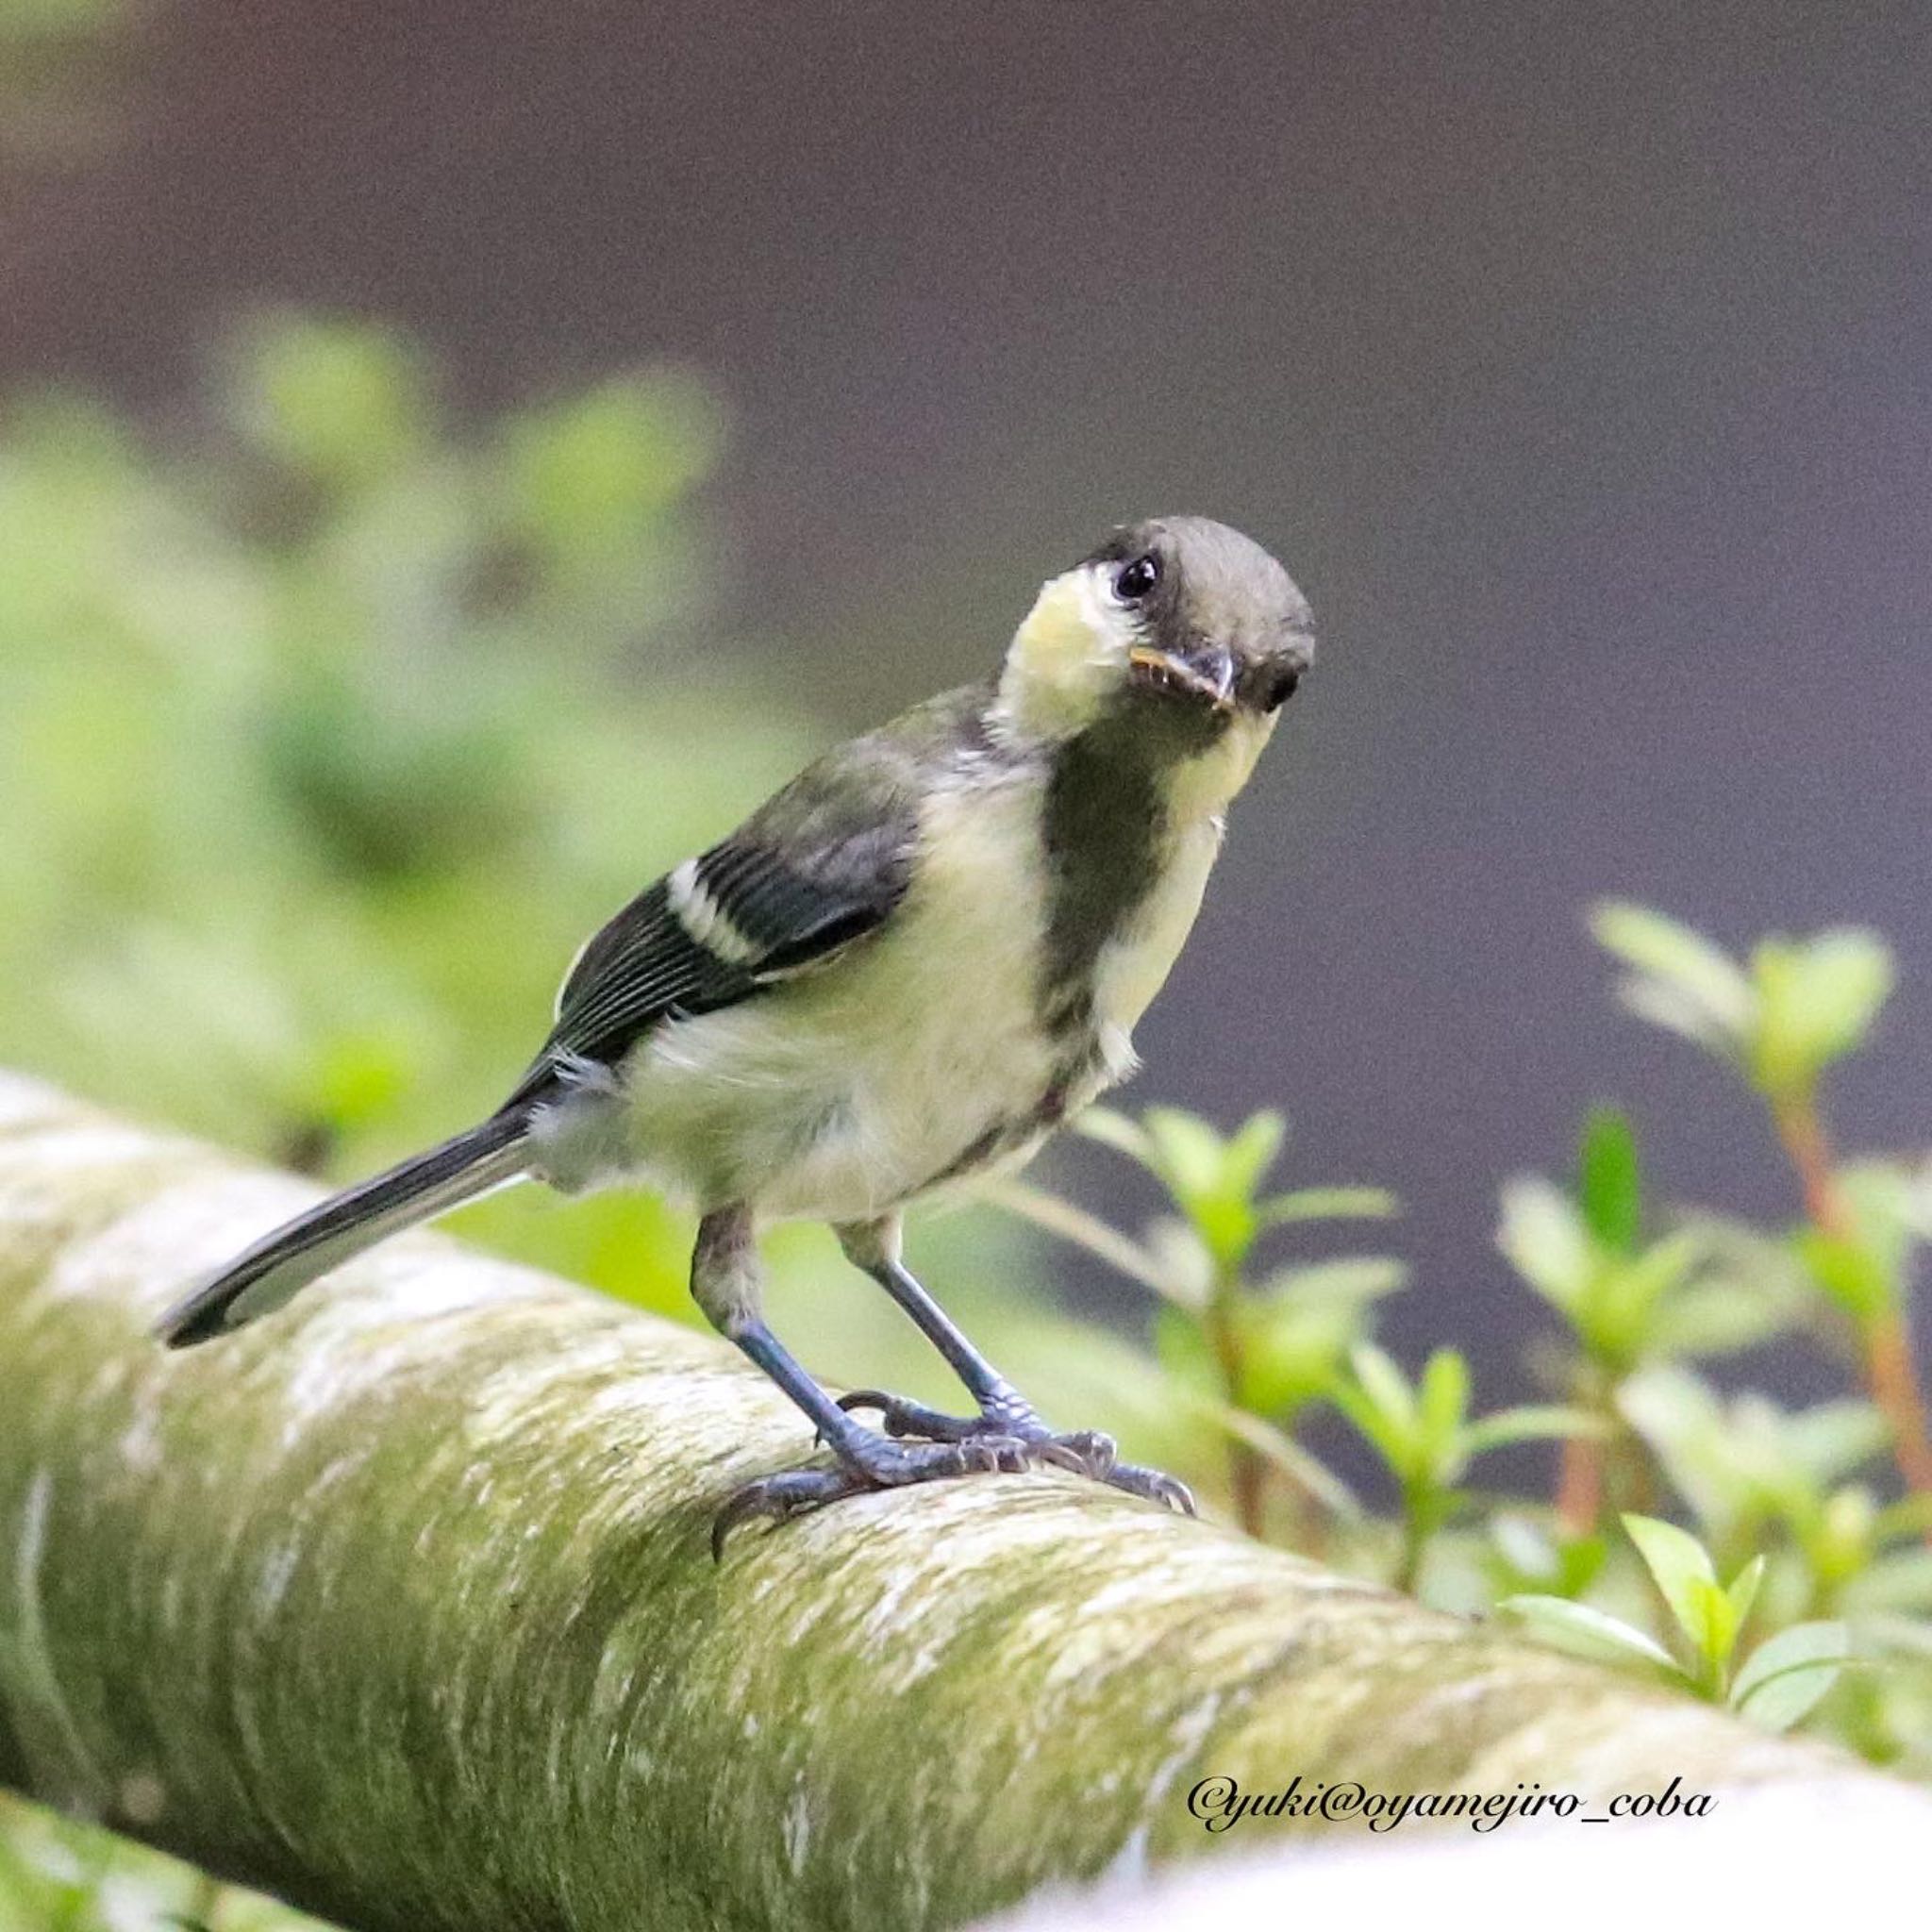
1251 1351
1423 1432
1756 1476
1779 1020
1774 1684
1625 1300
58 1875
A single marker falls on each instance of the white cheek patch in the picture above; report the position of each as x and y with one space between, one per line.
1067 655
1105 616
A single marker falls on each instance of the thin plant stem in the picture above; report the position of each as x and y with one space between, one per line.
1247 1469
1085 1230
1886 1341
1580 1484
1415 1544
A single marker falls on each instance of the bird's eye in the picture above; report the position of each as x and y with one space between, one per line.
1137 579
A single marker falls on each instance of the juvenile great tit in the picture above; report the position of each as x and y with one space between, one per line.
901 973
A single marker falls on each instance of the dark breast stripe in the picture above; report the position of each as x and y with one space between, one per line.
1105 833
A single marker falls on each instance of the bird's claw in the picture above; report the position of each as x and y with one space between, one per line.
790 1493
901 1417
1085 1452
1155 1485
921 1444
880 1464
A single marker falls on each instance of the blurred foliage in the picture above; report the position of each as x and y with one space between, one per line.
324 740
1777 1684
59 1876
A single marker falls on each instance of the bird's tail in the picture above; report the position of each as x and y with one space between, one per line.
287 1261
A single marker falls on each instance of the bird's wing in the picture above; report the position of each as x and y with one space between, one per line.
818 867
719 929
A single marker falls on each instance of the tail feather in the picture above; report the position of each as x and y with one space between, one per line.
283 1262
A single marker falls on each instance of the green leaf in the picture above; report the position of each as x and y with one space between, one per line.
1786 1675
1328 1204
1718 1316
1441 1401
1662 1004
1298 1464
1382 1407
1833 1438
591 477
1680 1565
1182 1349
1182 1259
1744 1587
1251 1151
1844 1540
1884 1198
1531 1423
1343 1281
1546 1240
1189 1155
1680 979
1384 1386
1620 1316
1099 1238
1296 1335
1850 1273
1609 1181
1114 1130
1818 1001
1527 1545
342 402
1713 1631
1899 1580
1589 1631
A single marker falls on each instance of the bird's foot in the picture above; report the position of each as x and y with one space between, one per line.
1088 1452
1093 1454
868 1464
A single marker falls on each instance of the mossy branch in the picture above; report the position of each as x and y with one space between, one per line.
399 1605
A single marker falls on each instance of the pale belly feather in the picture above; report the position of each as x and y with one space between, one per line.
840 1094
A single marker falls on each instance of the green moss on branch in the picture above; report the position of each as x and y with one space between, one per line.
400 1605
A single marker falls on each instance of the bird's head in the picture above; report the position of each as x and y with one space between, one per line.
1176 629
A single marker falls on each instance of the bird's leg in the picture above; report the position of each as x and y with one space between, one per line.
725 1285
874 1247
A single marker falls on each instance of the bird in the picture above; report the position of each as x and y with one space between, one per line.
899 976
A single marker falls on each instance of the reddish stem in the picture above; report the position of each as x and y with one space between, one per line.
1889 1373
1580 1486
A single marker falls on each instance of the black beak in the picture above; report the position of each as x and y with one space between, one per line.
1205 671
